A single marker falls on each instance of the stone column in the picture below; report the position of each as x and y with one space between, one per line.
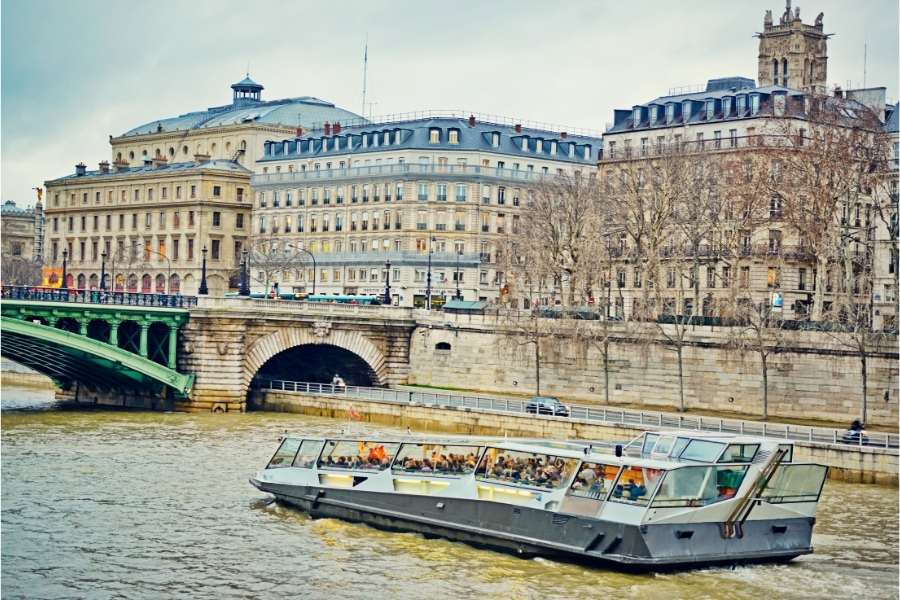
173 345
83 326
145 326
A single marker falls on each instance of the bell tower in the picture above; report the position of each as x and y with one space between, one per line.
793 54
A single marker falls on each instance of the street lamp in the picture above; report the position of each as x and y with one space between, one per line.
103 271
428 285
204 289
458 293
245 273
387 282
312 256
65 283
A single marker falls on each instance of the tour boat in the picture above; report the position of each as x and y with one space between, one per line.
666 500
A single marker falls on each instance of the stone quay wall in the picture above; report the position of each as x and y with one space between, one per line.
859 465
816 377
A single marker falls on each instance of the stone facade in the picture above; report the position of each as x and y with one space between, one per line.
815 380
225 349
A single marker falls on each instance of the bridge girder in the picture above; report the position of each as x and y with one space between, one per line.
68 357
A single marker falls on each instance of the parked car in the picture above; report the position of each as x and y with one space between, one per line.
547 405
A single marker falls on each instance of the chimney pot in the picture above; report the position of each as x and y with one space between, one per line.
518 127
838 92
80 169
159 161
471 120
104 166
299 132
563 134
337 127
327 128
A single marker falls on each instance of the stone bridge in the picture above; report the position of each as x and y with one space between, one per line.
228 341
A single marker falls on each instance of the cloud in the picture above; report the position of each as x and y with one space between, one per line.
75 72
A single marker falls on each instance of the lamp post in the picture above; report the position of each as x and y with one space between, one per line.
204 289
65 283
313 257
103 271
245 273
428 284
458 292
387 282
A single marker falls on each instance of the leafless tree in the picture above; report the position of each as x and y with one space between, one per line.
271 257
16 270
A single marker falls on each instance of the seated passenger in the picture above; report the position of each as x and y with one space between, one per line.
633 490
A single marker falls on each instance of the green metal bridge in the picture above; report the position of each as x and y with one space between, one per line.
110 341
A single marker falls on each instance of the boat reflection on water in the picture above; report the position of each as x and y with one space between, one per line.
663 501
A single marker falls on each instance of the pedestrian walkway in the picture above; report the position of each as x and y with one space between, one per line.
637 419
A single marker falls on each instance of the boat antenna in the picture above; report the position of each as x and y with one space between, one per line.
365 72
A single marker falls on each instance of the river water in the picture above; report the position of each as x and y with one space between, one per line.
105 504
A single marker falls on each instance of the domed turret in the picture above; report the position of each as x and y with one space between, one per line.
246 91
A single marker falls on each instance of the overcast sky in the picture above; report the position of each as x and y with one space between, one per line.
75 72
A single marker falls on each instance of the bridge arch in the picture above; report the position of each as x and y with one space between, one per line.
267 347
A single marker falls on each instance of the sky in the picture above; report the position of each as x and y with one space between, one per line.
75 72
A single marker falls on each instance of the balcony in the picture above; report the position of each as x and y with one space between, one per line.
408 171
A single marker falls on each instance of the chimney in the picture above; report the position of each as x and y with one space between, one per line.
337 127
471 120
838 92
80 169
104 166
563 134
120 164
327 128
518 127
201 158
159 161
299 132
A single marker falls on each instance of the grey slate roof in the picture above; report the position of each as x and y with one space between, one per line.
415 136
184 167
892 124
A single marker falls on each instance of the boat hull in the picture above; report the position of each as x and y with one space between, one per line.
531 532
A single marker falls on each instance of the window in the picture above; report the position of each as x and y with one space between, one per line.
732 138
434 136
423 192
521 468
594 480
773 278
240 195
216 219
216 247
442 192
193 191
453 136
501 195
485 194
399 192
698 486
636 485
495 140
190 218
745 277
238 221
775 210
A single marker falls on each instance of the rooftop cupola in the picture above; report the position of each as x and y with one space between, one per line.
246 91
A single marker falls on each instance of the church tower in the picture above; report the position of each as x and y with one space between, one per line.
793 54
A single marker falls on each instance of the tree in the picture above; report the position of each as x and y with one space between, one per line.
17 270
272 259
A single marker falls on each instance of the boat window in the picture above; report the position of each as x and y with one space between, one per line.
594 480
739 453
526 468
285 454
698 486
649 442
440 459
663 445
309 452
702 451
636 485
680 443
795 483
357 455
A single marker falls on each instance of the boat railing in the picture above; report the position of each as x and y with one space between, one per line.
628 418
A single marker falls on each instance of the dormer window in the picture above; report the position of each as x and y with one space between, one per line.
686 111
710 109
612 146
726 106
754 104
434 136
652 115
587 152
397 137
324 144
637 117
539 145
453 136
670 113
741 105
375 140
365 140
524 144
495 140
553 148
337 143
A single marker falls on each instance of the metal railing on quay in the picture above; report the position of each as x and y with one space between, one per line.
610 416
93 296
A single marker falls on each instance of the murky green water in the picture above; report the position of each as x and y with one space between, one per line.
150 505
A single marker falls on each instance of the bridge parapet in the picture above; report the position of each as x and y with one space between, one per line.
84 296
258 307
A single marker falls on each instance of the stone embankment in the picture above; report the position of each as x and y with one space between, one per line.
860 465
